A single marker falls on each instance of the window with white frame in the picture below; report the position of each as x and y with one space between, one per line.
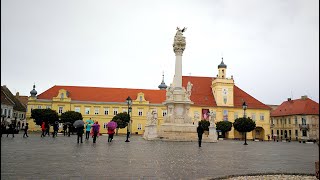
9 113
39 107
296 120
236 115
96 110
261 116
5 112
289 120
77 109
303 121
48 107
225 115
87 110
253 116
124 110
60 110
115 111
164 112
139 126
105 125
106 111
140 112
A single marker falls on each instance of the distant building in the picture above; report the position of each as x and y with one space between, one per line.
12 110
296 119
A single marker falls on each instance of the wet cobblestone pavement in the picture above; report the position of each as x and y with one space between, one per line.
62 158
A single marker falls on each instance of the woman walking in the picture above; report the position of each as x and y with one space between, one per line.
43 128
95 130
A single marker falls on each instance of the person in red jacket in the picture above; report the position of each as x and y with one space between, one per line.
110 133
43 128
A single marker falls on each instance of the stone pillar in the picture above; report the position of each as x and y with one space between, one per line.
177 81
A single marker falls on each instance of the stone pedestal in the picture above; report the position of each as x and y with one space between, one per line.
178 132
150 132
213 136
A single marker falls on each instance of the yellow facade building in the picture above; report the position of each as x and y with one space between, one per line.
217 95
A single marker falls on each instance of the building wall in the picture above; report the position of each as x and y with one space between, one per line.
145 107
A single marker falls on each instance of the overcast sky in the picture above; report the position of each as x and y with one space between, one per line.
271 47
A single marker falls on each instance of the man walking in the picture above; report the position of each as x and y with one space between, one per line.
88 128
26 130
200 131
80 133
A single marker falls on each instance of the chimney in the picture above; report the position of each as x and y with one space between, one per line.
304 97
289 99
17 94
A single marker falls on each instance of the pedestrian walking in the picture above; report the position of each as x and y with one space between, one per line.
69 129
111 127
110 134
64 129
80 132
26 130
200 131
47 128
268 137
55 129
11 129
3 128
43 128
88 128
95 130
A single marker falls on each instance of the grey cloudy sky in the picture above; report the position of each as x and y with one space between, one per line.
271 47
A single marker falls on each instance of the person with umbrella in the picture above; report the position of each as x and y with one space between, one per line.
79 125
95 130
111 126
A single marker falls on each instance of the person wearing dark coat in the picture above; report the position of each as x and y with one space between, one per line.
200 131
80 131
47 129
65 129
11 129
55 129
26 130
69 129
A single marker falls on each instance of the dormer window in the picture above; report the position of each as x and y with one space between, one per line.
140 98
62 96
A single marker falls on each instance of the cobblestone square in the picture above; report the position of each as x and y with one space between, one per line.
62 158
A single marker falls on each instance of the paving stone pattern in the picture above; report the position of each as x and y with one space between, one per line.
62 158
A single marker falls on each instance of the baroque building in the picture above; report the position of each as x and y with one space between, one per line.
296 120
216 95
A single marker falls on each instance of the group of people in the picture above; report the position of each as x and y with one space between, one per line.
12 129
45 128
92 129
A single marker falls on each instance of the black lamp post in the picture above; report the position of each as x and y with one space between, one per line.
129 103
244 107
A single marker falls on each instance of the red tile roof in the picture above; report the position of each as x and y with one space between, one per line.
102 94
23 100
297 107
201 94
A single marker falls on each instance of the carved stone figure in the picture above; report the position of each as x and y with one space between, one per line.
179 43
196 116
189 88
211 119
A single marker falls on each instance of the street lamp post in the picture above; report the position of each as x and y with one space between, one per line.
244 107
129 103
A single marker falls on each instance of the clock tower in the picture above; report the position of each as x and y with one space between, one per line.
222 87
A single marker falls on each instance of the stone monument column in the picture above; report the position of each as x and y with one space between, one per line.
179 45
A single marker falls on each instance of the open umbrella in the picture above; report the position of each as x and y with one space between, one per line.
78 123
112 125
